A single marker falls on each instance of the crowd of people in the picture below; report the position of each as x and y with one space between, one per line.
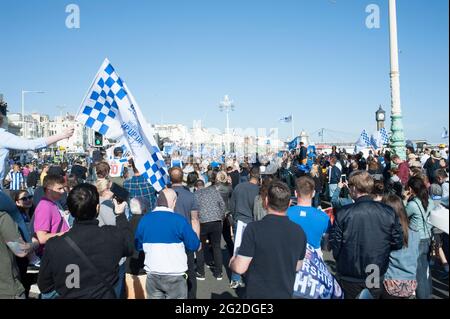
96 228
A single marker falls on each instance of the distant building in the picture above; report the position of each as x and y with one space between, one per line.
81 139
198 139
30 127
38 125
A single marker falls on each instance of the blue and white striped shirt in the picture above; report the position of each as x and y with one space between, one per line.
17 181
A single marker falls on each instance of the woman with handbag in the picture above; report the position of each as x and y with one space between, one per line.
400 280
418 209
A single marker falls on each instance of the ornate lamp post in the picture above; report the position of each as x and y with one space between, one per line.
397 136
226 106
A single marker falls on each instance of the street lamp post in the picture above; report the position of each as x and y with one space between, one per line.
227 106
23 108
397 137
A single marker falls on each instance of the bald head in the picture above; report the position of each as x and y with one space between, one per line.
167 198
176 175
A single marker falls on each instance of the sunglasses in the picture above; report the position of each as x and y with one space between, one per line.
26 197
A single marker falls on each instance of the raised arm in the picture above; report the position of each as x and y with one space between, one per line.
14 142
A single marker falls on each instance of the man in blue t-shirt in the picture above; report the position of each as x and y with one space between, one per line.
314 222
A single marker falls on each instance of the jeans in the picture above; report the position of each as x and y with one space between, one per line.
226 233
119 288
424 281
358 290
49 295
191 280
332 189
166 287
213 231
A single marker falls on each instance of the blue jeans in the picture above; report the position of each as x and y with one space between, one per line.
119 288
49 295
365 294
424 281
332 189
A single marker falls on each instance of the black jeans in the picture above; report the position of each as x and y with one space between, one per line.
213 231
353 289
191 281
226 233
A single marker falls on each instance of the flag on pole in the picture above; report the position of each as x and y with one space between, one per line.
379 138
292 145
364 137
363 142
287 119
444 133
110 109
384 136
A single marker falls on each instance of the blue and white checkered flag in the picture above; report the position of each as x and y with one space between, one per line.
364 137
384 136
110 109
363 142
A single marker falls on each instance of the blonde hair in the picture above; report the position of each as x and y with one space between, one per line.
102 185
315 170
